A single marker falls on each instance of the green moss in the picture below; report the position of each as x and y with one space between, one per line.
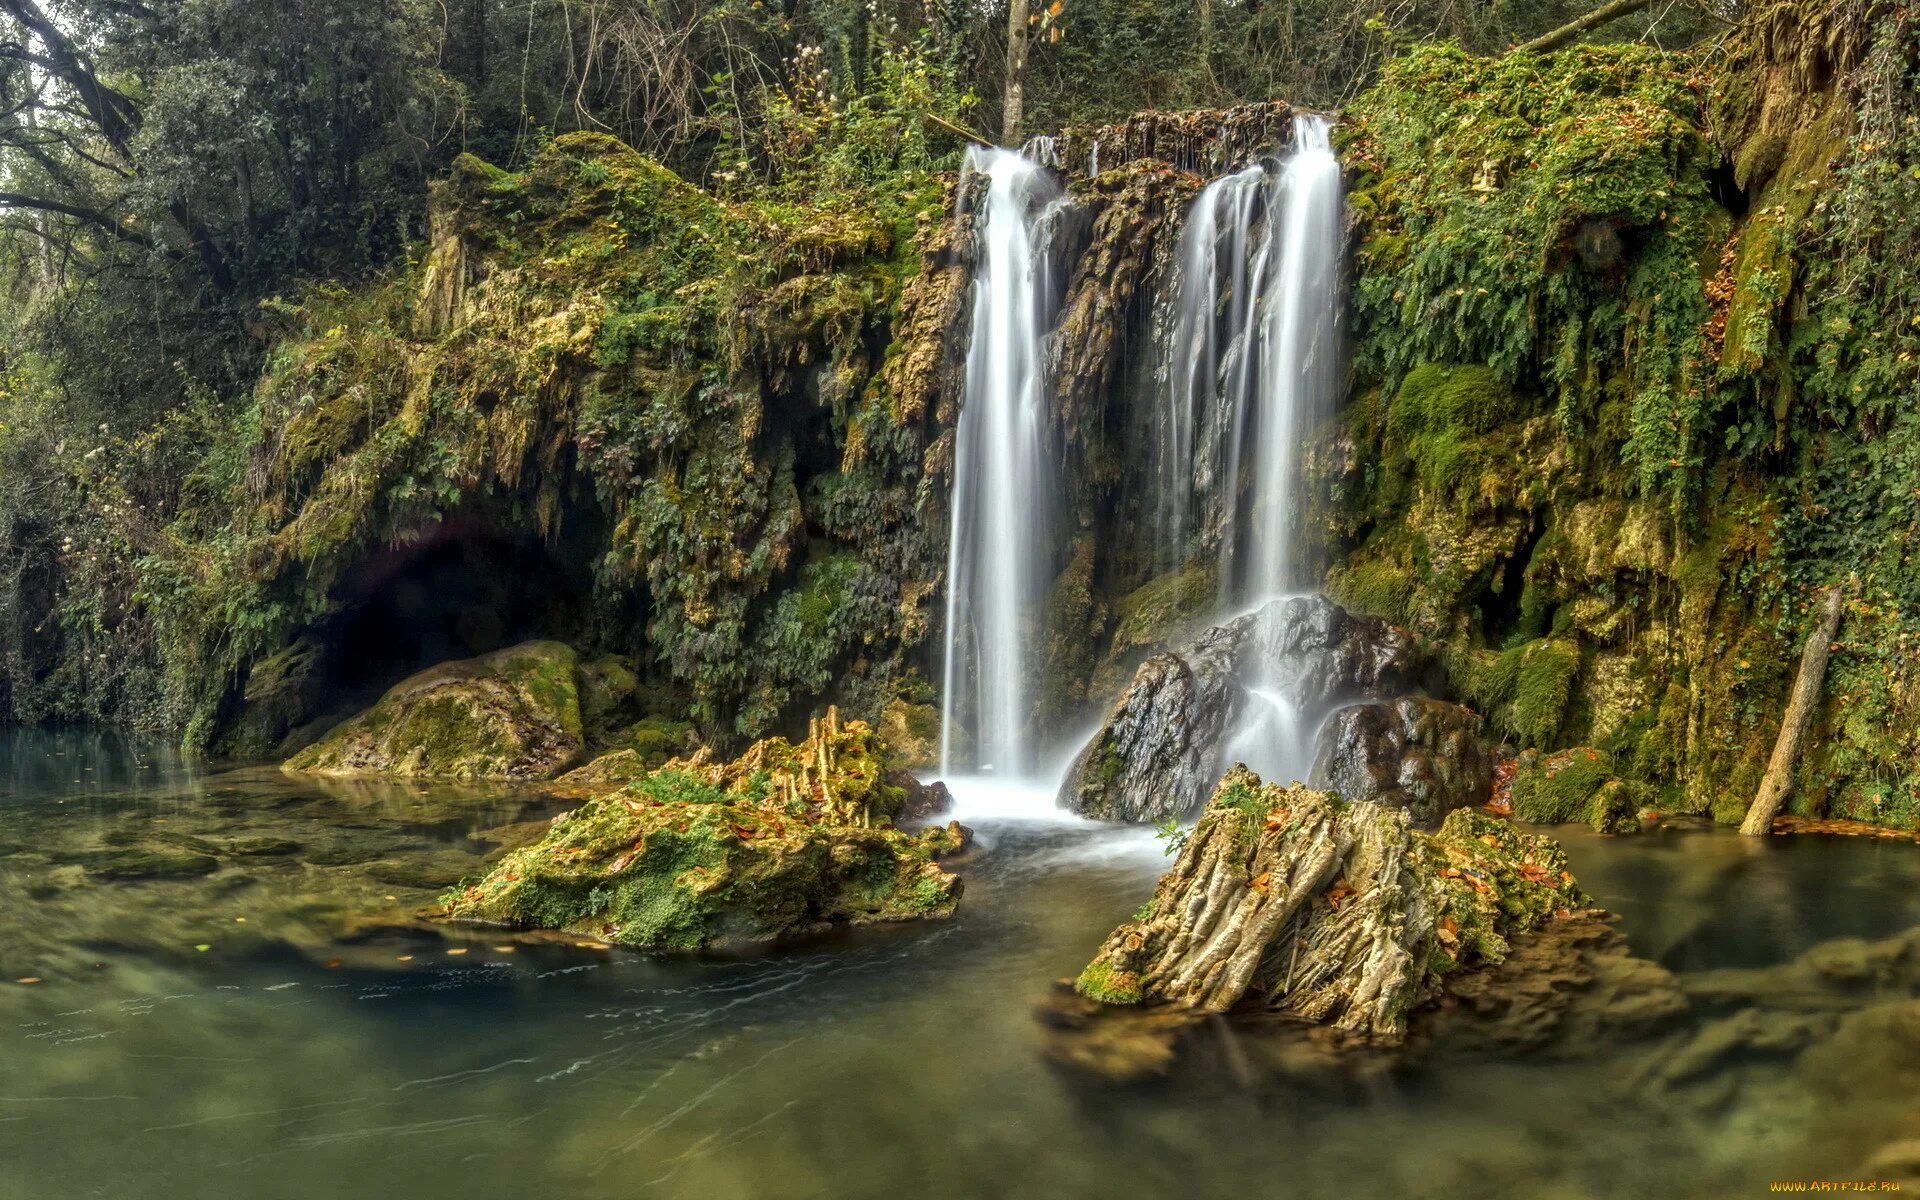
656 739
1576 785
1101 982
765 847
1158 608
512 714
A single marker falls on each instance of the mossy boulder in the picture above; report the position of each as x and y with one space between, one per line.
785 840
655 739
1576 785
511 714
609 696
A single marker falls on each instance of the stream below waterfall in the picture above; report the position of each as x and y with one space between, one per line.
251 1032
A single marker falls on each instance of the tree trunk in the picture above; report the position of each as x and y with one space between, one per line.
1805 697
1014 98
1611 11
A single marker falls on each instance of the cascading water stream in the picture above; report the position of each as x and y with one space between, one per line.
1250 366
1201 339
1298 333
1003 473
1249 361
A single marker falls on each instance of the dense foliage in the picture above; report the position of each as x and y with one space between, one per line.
1676 288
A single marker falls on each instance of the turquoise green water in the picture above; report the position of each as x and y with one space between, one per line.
314 1050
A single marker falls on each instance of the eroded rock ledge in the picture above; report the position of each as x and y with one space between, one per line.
1293 901
784 840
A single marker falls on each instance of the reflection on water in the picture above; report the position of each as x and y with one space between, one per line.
309 1051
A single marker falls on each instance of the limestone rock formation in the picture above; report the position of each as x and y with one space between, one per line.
1164 742
1336 913
1423 755
512 714
784 840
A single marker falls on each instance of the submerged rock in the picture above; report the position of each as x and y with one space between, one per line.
1332 912
1164 742
1423 755
149 860
511 714
784 840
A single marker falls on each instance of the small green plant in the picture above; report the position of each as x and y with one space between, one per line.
1173 835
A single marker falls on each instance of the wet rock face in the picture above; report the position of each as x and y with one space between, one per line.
512 714
1160 746
1319 654
1163 745
1422 755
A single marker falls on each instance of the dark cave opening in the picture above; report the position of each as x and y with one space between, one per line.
1724 186
474 582
1503 613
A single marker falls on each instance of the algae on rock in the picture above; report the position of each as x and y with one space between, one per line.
784 840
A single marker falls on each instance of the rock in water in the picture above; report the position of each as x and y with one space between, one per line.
512 714
785 839
1333 912
1164 743
1422 755
1161 745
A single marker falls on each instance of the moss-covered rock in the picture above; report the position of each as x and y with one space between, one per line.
512 714
782 841
1576 786
609 696
911 733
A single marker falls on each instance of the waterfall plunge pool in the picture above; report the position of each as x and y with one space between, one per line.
248 1032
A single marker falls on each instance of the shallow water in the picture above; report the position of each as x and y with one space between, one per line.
308 1051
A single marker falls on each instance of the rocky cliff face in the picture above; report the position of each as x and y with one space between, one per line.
1608 382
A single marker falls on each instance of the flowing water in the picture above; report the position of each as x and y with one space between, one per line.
1207 375
252 1032
997 561
1249 348
1297 378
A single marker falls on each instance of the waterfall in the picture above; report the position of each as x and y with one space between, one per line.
1298 334
998 555
1248 364
1216 233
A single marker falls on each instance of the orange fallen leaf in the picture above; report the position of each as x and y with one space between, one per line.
1259 884
28 979
334 963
